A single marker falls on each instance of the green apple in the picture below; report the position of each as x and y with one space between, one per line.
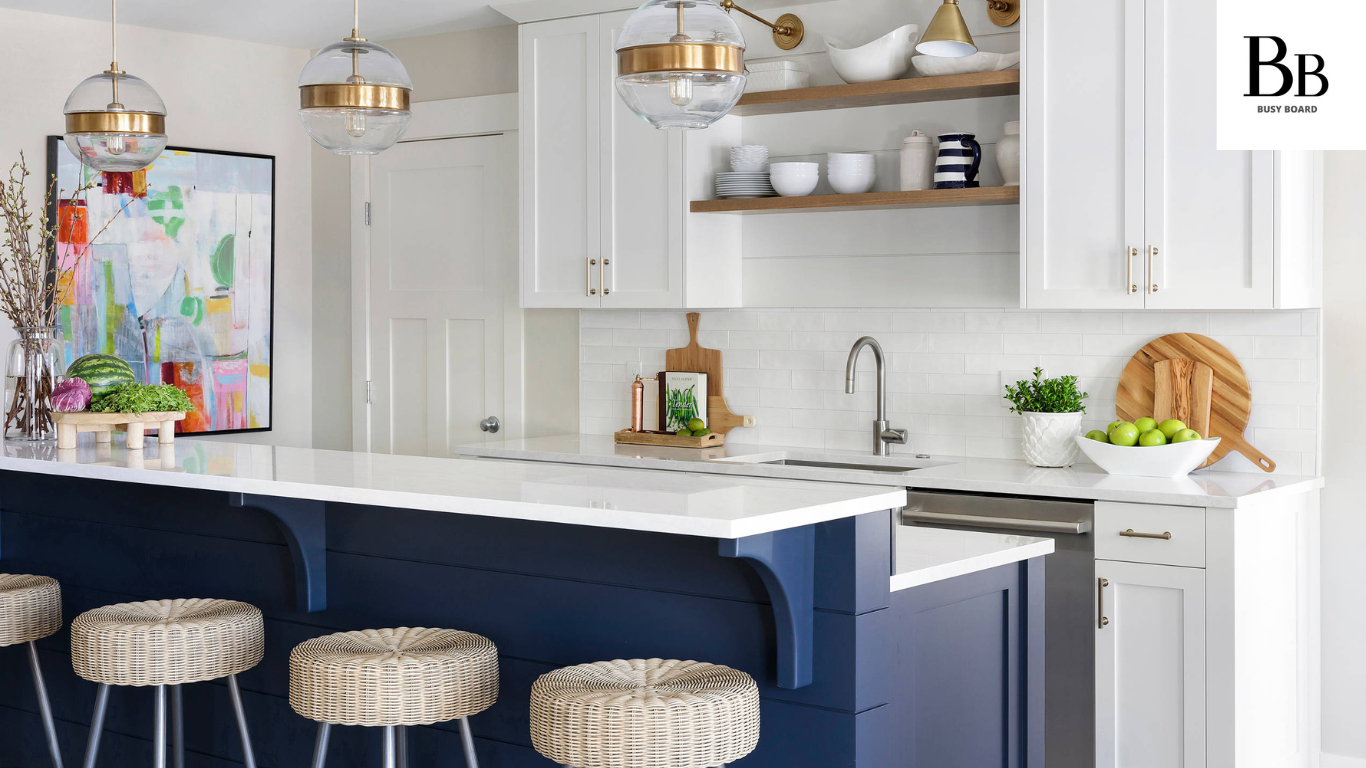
1098 436
1145 425
1151 438
1124 434
1112 426
1170 427
1185 436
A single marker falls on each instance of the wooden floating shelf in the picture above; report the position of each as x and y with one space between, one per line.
870 201
911 91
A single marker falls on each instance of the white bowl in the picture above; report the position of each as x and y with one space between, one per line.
749 158
1173 460
982 61
886 58
850 160
849 183
796 185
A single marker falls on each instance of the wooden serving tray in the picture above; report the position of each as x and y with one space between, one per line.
666 440
70 425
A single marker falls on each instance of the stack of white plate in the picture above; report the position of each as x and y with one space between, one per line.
744 185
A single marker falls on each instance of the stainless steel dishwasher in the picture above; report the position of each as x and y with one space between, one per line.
1069 586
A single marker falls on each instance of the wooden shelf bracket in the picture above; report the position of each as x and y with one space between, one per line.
304 524
786 561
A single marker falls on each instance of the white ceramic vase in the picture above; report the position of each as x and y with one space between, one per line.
1049 438
1008 154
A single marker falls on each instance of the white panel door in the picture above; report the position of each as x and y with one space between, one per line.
642 197
560 88
1210 213
1083 128
1150 666
443 234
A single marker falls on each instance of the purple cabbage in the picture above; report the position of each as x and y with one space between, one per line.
71 396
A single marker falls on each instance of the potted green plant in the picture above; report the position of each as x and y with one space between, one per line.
1052 410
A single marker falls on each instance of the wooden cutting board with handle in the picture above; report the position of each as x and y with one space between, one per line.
1230 398
696 359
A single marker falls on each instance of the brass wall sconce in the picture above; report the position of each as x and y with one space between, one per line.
788 31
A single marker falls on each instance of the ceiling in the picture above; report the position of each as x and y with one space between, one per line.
293 23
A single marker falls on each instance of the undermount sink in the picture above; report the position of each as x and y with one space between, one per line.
841 465
890 465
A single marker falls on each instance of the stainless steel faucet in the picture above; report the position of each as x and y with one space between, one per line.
883 436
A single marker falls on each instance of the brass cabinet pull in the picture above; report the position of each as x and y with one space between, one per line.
602 276
588 278
1130 253
1133 535
1152 257
1100 601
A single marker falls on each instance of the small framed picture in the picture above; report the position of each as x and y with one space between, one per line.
682 398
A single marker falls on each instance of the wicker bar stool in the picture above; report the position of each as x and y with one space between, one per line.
30 610
645 714
391 679
167 644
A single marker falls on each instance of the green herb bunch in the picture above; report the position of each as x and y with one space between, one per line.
142 398
1042 395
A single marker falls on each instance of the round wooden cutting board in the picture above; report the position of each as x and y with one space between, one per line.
1230 404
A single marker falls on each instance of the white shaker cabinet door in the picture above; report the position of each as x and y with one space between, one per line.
1083 186
560 78
1210 213
1150 666
642 196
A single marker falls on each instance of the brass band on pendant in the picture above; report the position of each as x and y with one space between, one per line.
115 122
354 96
681 57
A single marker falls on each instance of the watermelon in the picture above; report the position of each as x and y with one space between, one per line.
71 396
104 373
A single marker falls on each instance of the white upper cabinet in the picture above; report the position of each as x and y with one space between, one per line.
559 77
603 191
1083 191
1128 202
642 196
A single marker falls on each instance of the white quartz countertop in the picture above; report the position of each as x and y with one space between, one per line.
713 505
1016 478
925 555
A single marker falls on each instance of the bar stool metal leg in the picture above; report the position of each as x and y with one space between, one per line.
402 746
467 740
248 757
389 747
92 745
44 706
320 747
178 726
159 728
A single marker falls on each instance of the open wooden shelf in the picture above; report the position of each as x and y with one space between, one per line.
869 201
910 91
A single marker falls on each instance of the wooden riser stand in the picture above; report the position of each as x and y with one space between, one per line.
70 425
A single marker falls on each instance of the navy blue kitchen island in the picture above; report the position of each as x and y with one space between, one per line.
860 661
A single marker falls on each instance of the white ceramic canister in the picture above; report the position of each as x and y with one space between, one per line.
1008 154
917 162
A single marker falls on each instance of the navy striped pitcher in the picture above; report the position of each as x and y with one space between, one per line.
960 157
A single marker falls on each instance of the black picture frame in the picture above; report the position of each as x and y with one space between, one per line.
56 145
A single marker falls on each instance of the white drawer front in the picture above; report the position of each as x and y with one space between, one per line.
1150 533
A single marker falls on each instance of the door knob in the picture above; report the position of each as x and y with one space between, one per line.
490 425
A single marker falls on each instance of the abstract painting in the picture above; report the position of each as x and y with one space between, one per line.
181 284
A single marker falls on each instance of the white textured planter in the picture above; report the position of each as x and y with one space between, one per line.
1049 438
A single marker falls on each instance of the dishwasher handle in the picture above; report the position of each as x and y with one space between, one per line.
914 515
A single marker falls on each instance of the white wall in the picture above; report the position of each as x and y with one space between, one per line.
220 94
946 367
1344 455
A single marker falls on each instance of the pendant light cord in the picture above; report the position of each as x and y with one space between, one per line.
114 70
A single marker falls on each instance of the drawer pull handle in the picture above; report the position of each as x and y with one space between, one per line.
1100 602
1166 535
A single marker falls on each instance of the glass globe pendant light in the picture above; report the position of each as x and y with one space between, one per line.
115 121
354 96
681 63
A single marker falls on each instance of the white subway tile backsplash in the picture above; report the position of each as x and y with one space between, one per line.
945 371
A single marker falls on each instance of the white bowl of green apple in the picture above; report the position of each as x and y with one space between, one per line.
1145 448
